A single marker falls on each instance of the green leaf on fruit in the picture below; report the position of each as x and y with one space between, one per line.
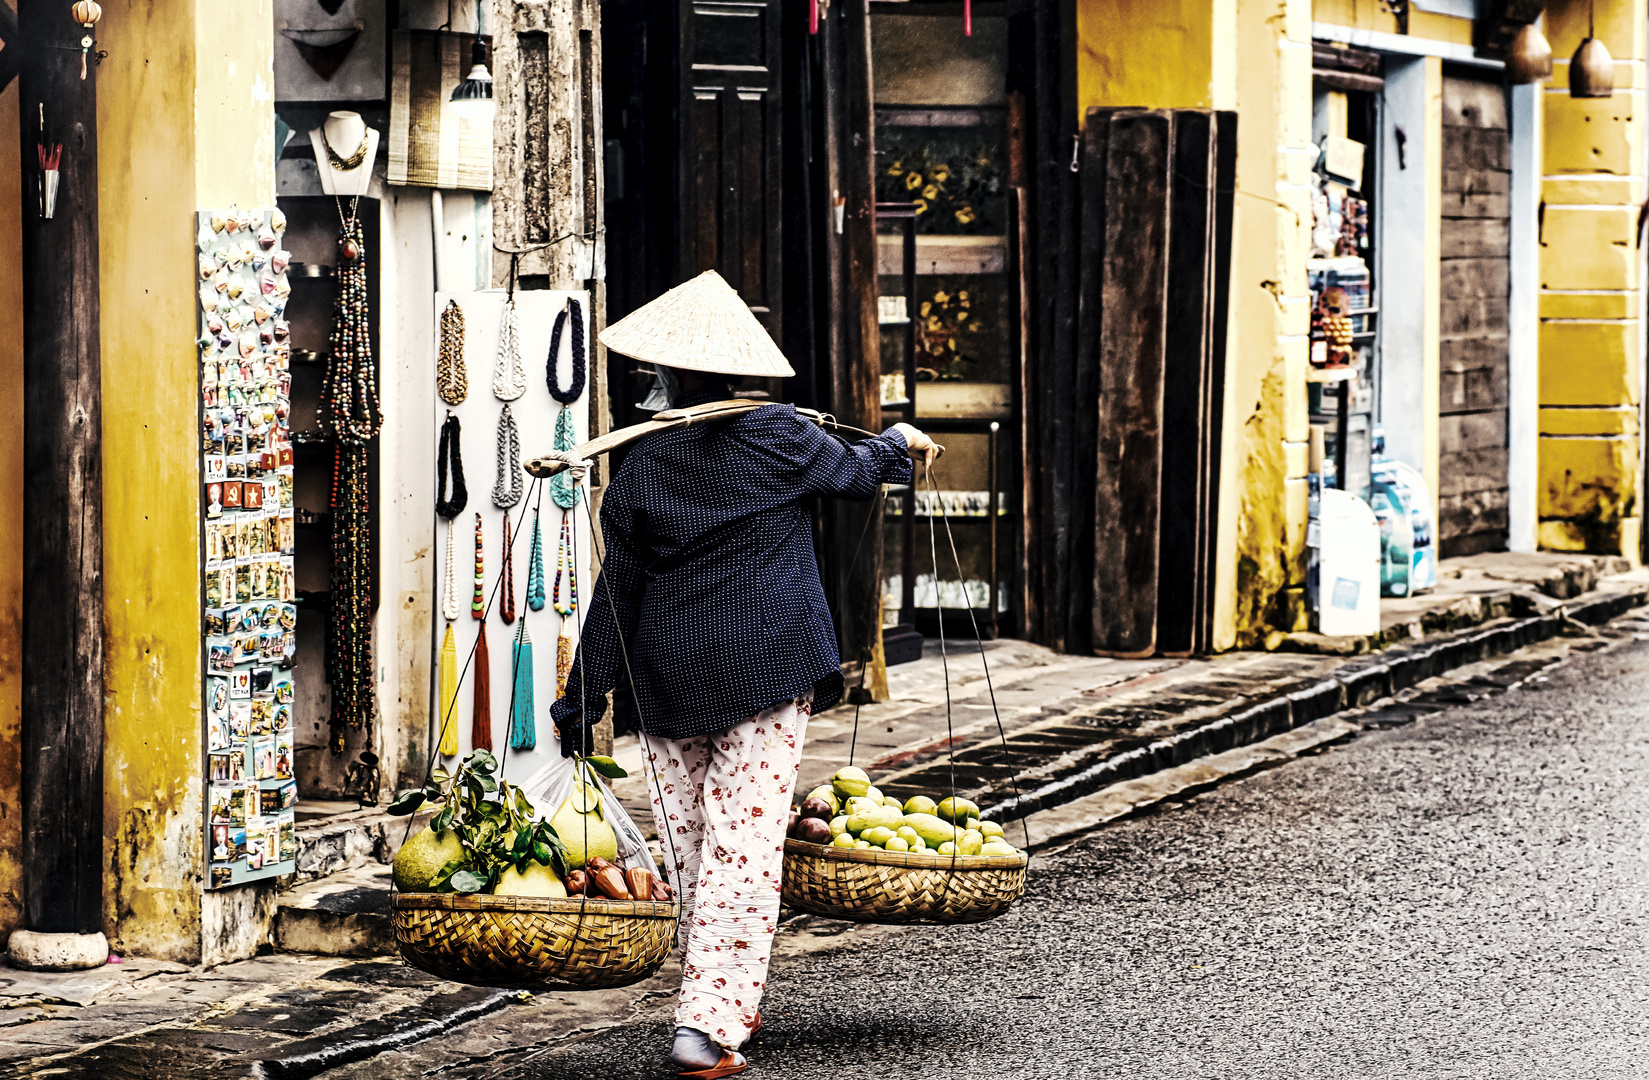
468 881
607 767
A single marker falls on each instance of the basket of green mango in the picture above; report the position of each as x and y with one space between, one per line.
855 854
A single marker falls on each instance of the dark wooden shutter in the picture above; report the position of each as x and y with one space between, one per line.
730 172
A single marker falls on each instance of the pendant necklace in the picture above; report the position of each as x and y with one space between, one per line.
350 414
478 605
451 380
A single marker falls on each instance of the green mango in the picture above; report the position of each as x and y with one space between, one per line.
933 831
970 843
897 843
844 840
850 782
957 810
838 825
874 817
998 847
988 829
920 804
879 835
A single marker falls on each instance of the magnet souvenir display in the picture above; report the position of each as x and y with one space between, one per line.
250 622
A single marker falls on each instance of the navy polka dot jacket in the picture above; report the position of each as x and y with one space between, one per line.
710 563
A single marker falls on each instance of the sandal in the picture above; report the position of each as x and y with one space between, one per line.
729 1065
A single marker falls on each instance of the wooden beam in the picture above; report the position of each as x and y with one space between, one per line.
62 743
1133 338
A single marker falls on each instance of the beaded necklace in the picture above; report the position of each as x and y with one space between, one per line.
567 397
564 565
451 380
450 509
353 161
450 449
506 608
351 415
478 604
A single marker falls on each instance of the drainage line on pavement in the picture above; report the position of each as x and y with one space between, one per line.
333 1056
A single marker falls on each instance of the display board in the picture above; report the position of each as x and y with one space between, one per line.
476 588
247 544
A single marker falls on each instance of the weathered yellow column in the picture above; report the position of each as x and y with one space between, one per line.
186 121
1590 487
1253 56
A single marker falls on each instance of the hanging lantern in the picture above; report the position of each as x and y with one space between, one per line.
86 13
1591 71
1529 60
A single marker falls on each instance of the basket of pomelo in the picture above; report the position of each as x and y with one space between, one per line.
856 854
488 895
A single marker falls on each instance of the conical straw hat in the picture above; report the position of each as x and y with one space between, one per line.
700 325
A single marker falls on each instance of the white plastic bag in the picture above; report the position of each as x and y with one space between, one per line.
551 786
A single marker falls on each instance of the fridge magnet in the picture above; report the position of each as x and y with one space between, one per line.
289 837
269 801
231 493
289 794
240 720
217 697
221 851
263 719
237 807
283 756
263 757
220 657
240 684
238 837
283 690
282 717
222 876
218 803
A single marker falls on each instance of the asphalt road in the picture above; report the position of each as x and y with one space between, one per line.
1463 896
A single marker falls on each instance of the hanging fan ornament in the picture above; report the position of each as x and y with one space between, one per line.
86 13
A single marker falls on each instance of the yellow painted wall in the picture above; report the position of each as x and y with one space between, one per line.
177 125
11 510
1158 55
152 727
1590 484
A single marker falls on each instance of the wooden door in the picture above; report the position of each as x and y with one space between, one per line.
1476 265
730 175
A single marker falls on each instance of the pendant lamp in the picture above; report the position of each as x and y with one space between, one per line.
1591 69
472 99
1529 60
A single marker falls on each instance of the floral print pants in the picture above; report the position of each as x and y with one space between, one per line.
722 803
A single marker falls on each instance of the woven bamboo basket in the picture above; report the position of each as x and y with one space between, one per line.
531 943
895 887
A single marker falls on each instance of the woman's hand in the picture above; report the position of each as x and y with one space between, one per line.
576 737
922 446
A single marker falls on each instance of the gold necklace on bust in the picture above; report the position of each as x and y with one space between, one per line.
353 161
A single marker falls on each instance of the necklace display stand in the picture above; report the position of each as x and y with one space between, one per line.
344 133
